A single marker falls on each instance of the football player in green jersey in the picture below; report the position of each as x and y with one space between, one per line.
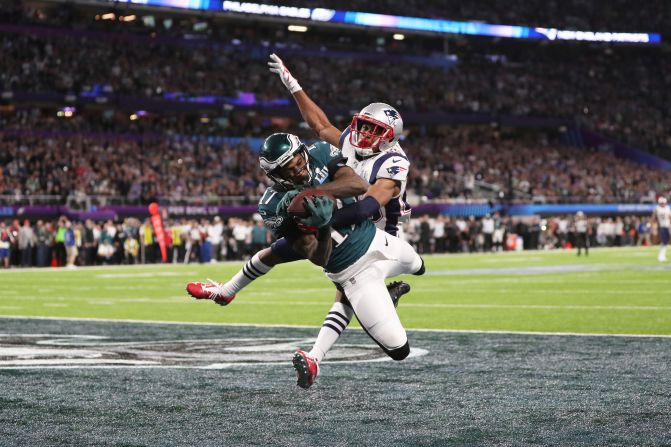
355 255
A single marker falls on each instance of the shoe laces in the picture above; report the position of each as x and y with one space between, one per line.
214 288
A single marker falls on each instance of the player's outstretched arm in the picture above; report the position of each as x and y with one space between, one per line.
383 190
310 111
345 183
378 195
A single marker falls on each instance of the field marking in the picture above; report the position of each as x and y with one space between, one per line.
142 274
477 306
298 326
547 269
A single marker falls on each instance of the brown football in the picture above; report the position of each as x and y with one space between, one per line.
297 206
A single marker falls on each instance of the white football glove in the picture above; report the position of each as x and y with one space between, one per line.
277 66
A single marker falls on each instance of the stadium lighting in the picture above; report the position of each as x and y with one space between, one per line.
108 16
133 117
66 112
129 18
297 28
398 36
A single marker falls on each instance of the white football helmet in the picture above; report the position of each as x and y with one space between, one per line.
662 200
376 128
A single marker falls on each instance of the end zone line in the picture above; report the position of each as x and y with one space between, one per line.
297 326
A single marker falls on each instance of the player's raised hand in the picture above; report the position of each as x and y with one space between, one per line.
277 66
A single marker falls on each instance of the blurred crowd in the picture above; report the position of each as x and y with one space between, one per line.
76 167
457 163
460 163
622 91
64 243
447 234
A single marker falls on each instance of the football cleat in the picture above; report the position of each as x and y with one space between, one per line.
210 290
306 368
396 290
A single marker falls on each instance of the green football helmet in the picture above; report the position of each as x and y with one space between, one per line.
277 151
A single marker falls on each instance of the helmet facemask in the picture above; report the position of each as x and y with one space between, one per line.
368 134
276 177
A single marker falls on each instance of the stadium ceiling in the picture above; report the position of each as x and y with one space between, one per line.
325 17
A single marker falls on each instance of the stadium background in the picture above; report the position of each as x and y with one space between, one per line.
106 107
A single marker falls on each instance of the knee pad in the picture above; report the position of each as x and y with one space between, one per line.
421 270
400 353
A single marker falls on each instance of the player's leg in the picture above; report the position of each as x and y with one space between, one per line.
664 241
371 304
402 259
257 266
335 322
376 313
586 244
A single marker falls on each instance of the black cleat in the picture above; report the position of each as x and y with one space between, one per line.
396 290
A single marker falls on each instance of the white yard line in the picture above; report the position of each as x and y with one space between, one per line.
456 331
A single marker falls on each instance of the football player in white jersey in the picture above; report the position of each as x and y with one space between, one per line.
371 147
663 215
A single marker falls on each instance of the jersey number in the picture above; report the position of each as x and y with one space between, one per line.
338 237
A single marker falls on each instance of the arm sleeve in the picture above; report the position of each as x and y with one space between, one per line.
355 213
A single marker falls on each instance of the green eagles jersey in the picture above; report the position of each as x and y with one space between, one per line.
349 243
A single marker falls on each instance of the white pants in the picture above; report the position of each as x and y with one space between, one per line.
364 285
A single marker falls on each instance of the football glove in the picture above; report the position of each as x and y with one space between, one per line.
277 66
321 211
283 205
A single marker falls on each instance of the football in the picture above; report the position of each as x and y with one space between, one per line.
297 206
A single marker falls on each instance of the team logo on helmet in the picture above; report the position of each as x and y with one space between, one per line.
392 115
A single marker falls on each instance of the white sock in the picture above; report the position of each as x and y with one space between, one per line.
252 270
662 252
334 324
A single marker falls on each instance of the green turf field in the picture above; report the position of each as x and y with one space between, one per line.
614 291
68 381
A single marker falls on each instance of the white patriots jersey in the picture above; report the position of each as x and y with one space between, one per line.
663 214
392 164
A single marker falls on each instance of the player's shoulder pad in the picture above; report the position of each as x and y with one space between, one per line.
268 204
278 225
344 136
391 165
324 152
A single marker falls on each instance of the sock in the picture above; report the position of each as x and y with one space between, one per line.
334 324
662 252
252 270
